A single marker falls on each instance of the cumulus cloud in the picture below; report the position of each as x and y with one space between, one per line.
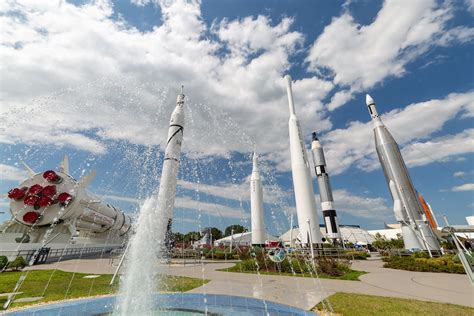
354 145
75 76
459 174
11 173
439 149
374 208
211 209
360 56
464 187
195 205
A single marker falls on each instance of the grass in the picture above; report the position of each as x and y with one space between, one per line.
68 285
352 275
348 304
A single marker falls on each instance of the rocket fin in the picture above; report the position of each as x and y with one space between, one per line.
30 171
64 165
397 203
86 180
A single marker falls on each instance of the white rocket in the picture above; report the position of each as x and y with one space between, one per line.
256 206
308 218
167 191
325 192
51 197
416 231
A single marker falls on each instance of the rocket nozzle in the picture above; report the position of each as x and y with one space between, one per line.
290 95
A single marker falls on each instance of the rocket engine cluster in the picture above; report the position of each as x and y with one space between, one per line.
51 197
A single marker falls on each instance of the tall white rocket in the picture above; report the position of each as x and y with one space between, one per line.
308 218
256 206
167 191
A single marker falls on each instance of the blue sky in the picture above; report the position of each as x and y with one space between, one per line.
97 80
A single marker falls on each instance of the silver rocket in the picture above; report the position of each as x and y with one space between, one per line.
308 219
167 191
416 231
325 192
256 206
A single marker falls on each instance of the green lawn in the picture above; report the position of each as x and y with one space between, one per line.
353 275
348 304
36 284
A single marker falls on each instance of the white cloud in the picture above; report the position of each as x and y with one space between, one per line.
372 208
121 198
11 173
74 76
355 145
464 187
439 149
272 194
360 56
197 206
212 209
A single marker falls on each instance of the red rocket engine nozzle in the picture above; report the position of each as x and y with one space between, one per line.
49 190
31 217
52 176
35 189
16 194
44 201
65 198
31 200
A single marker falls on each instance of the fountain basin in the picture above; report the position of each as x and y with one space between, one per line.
170 304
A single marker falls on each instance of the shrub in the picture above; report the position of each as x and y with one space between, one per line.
445 264
295 265
356 255
3 262
17 264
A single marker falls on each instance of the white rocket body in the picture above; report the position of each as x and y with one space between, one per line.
302 181
325 191
256 206
41 204
417 233
167 191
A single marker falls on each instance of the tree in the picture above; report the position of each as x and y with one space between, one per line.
178 237
236 229
191 236
215 232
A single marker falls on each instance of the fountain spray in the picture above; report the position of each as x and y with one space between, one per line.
150 243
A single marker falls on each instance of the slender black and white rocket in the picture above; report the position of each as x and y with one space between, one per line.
167 191
325 192
416 231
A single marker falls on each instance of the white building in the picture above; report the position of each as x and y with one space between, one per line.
239 239
353 234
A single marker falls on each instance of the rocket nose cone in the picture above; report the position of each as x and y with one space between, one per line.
288 79
255 159
315 136
369 100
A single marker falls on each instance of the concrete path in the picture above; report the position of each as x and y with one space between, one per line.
307 292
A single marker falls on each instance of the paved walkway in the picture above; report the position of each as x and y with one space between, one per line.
307 292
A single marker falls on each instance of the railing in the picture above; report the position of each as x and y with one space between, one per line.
47 254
